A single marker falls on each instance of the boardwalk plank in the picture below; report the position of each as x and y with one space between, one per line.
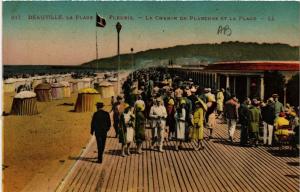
219 167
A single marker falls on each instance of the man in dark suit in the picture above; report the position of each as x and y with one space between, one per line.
100 125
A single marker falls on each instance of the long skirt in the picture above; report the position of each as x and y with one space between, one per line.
211 121
129 135
180 130
198 133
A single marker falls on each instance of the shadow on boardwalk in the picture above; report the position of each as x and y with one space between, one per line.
221 166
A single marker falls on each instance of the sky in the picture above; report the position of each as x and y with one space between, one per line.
72 40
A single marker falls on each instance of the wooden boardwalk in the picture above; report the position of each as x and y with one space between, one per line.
219 167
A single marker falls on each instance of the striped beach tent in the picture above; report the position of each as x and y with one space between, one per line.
86 100
43 92
57 91
24 103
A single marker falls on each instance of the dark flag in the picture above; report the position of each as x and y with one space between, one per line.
100 21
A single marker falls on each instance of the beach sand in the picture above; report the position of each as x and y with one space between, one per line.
41 145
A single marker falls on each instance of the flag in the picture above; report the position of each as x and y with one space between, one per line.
100 21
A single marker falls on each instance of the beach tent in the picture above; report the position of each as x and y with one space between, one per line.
73 85
20 81
48 78
67 77
80 84
59 77
87 82
36 81
84 83
57 91
9 85
86 100
24 103
43 92
66 88
106 89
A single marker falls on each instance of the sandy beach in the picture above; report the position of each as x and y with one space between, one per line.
42 145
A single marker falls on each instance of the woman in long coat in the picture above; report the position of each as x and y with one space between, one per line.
198 121
220 102
126 129
254 121
210 116
139 127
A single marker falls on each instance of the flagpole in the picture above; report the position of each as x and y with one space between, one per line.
96 50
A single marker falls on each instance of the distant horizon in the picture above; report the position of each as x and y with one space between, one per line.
145 51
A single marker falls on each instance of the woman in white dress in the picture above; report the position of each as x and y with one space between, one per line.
180 117
126 129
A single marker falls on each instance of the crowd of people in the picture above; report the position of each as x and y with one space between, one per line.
179 110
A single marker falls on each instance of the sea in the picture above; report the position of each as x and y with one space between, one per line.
15 70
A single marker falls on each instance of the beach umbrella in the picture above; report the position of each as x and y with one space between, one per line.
106 89
24 103
87 99
9 85
57 91
43 92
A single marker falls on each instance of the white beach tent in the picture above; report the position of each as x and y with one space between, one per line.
106 89
9 85
57 91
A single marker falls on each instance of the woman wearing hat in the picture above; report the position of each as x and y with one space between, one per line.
254 122
180 117
158 115
220 102
210 116
170 118
139 127
126 129
198 121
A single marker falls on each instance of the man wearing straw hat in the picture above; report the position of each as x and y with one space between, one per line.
100 126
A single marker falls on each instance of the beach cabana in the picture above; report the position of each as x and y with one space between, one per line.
20 81
80 84
57 91
43 92
24 103
106 89
73 85
36 81
87 82
66 88
9 85
86 100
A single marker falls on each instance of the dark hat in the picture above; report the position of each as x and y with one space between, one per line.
99 104
119 97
